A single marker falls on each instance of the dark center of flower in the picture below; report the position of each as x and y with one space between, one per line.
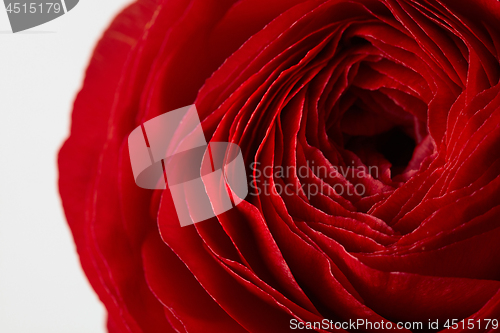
377 120
395 145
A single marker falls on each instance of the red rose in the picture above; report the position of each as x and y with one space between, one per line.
380 119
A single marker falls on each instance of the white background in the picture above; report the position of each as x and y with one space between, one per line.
42 287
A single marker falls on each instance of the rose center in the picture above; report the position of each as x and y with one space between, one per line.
378 130
395 145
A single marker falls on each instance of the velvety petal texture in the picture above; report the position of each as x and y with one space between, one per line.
370 131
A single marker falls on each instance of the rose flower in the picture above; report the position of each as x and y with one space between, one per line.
370 131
